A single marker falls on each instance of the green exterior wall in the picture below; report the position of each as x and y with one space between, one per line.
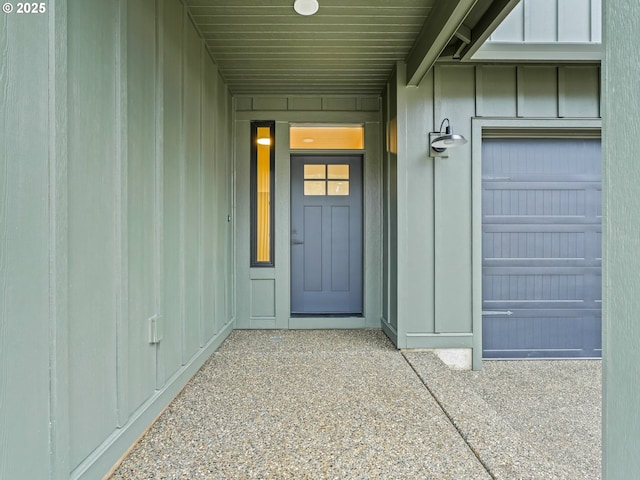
547 31
621 262
264 293
25 346
429 203
116 221
552 21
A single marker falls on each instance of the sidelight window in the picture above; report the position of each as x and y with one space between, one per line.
262 188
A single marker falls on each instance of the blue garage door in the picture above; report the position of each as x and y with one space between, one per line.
541 234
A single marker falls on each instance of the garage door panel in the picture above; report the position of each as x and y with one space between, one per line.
541 247
532 244
524 200
509 289
553 334
540 157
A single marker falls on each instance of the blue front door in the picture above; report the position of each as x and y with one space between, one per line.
326 235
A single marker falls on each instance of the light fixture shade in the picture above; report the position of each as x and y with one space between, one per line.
448 140
440 141
306 7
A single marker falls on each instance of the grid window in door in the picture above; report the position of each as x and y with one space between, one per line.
326 180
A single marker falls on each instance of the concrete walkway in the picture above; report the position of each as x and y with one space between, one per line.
331 404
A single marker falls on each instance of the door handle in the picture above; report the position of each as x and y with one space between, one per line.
297 242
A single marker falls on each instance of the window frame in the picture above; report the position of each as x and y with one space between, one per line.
253 182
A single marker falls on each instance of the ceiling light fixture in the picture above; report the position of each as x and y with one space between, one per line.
306 7
440 141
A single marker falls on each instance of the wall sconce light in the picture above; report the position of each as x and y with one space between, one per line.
440 141
306 7
264 141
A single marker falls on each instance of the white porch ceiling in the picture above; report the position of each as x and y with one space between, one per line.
349 47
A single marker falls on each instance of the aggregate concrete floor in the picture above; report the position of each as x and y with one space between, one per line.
345 404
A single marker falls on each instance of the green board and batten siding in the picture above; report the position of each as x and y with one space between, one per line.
551 21
429 204
96 159
116 191
547 30
621 262
24 247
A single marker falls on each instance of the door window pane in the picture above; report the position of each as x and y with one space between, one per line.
338 172
315 187
314 171
337 188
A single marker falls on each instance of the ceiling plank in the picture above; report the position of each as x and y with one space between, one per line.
320 30
257 4
445 19
264 47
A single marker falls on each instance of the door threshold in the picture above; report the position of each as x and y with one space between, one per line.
327 321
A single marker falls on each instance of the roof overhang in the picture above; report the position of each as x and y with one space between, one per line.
455 29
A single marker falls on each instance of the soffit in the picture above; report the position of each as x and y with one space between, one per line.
349 47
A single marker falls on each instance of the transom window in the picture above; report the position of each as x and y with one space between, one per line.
326 137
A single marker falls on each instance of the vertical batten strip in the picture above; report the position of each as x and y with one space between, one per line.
182 194
558 95
525 31
558 14
562 92
437 211
520 91
231 171
221 224
59 436
159 190
596 21
216 186
479 91
120 203
201 196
